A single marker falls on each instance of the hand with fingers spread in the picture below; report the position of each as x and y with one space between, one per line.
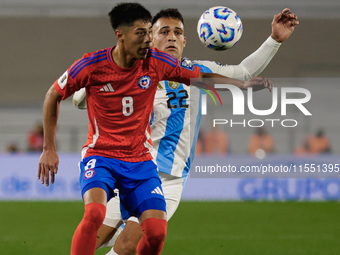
48 166
283 25
259 83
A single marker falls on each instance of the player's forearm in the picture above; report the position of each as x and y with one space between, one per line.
51 111
220 79
255 63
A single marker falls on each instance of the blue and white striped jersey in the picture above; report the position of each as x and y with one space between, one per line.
175 123
176 110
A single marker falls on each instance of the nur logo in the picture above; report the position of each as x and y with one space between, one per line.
204 98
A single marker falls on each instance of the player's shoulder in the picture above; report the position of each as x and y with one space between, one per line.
187 63
97 55
90 60
206 62
207 66
159 56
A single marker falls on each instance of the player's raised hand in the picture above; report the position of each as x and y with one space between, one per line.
283 25
258 83
48 165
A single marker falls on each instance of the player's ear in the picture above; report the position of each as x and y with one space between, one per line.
119 35
184 42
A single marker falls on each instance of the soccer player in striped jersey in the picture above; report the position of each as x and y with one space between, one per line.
120 83
170 124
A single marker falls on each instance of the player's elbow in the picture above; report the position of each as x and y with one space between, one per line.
53 95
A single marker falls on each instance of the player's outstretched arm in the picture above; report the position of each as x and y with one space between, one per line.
49 160
210 79
283 25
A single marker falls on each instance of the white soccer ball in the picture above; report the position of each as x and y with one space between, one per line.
219 28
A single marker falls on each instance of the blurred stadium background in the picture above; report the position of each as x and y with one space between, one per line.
41 38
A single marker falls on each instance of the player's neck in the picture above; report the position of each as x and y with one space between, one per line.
122 59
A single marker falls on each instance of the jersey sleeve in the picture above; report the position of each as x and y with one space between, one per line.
250 67
170 68
72 80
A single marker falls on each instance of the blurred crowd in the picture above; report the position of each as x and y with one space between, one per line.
314 144
217 142
35 141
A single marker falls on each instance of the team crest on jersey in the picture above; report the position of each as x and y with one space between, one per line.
89 173
186 63
62 81
144 82
173 85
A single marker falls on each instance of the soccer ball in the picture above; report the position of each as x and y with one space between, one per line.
219 28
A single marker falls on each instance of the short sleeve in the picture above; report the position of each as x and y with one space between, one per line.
170 68
68 83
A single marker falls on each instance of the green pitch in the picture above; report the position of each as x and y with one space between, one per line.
273 228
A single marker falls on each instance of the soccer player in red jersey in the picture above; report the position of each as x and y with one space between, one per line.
120 87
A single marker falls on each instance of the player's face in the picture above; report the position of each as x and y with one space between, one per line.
137 39
168 36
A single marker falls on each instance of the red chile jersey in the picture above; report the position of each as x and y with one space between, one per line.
120 100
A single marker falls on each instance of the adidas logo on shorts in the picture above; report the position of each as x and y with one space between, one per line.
157 191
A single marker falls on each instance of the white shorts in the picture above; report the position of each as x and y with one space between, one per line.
172 187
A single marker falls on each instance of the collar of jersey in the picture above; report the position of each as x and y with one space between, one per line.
121 69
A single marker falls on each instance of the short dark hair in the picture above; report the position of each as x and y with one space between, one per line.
127 14
168 13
